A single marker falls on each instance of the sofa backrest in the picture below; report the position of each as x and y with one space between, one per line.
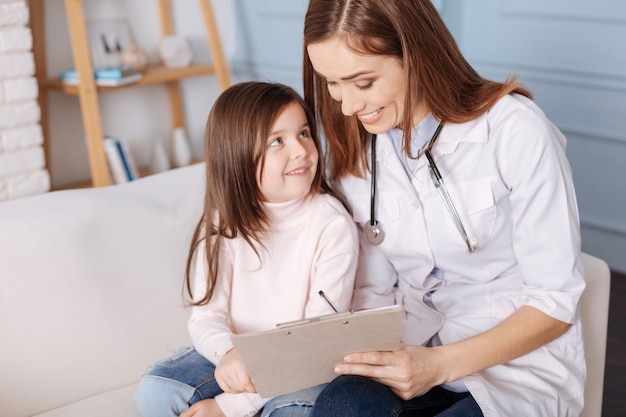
91 287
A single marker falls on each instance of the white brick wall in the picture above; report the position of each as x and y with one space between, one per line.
22 162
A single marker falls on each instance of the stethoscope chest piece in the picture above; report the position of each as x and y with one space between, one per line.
374 233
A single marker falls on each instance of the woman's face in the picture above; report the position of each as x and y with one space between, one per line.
370 87
290 158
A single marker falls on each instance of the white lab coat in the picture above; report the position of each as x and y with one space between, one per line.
509 178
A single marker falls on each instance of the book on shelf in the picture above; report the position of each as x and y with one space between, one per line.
106 77
113 82
121 163
115 72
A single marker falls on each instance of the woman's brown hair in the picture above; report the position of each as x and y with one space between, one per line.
437 74
237 128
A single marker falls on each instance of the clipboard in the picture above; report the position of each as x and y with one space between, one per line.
303 353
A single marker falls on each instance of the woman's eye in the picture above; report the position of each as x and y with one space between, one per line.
276 142
365 86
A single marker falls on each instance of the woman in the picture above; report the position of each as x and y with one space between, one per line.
465 201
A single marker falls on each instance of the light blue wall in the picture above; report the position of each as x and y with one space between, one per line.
568 52
269 41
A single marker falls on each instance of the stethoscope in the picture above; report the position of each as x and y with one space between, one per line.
373 230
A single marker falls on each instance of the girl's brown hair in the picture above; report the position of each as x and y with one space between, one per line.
236 132
436 73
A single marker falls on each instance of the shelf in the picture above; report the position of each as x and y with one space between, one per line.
88 92
152 75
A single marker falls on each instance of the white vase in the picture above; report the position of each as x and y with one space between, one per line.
159 160
175 52
181 150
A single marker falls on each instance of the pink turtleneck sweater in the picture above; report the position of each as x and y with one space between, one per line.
312 246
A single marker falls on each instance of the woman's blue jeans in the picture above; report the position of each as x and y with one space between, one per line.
170 386
357 396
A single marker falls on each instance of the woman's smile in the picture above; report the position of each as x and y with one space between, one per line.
370 117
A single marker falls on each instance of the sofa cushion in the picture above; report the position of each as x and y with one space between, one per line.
119 402
91 287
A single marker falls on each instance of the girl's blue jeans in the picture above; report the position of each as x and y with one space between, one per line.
357 396
170 386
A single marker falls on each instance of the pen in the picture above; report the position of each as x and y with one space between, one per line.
327 301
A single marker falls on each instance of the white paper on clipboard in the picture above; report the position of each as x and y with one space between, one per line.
302 354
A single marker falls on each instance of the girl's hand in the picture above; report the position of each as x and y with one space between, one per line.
204 408
231 374
409 372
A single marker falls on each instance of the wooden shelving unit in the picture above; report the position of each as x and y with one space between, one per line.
87 91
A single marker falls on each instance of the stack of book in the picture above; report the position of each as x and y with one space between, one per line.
106 77
121 163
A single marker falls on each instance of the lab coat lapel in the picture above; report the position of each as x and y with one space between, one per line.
453 134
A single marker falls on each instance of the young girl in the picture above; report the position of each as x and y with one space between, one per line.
271 237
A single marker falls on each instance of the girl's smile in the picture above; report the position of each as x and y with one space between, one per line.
299 171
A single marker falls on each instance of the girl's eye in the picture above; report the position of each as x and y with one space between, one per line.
305 134
276 142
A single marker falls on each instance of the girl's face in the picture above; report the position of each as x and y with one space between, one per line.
290 159
370 87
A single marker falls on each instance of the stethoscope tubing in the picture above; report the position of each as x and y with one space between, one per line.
375 233
373 184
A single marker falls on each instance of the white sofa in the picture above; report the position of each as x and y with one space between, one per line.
91 293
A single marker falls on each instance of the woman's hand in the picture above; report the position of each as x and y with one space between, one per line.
409 372
414 370
231 374
204 408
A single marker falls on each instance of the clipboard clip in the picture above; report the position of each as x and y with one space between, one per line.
312 320
318 318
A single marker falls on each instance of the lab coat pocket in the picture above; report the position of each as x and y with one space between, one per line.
475 203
